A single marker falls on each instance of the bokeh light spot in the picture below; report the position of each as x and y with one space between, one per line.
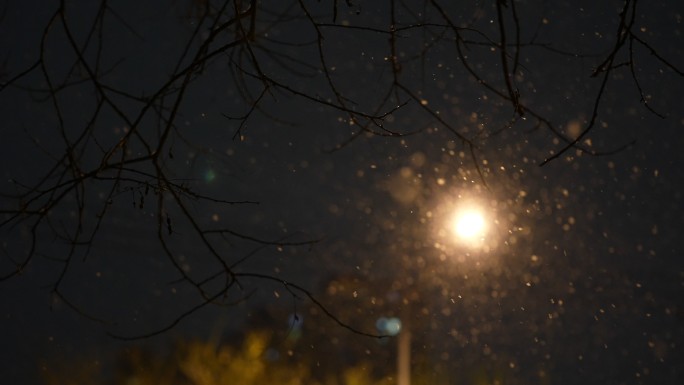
389 326
209 176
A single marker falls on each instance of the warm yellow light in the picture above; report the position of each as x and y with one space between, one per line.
469 226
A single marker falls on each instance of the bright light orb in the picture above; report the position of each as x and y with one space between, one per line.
469 226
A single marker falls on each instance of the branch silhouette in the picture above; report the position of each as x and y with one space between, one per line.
263 52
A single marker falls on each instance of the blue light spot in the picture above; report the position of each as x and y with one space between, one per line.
389 326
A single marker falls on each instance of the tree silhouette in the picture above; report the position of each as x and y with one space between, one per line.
113 97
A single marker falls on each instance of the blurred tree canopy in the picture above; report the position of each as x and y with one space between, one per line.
255 362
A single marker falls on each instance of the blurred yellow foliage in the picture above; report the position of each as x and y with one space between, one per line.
255 362
205 364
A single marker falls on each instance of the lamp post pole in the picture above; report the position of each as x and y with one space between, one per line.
404 352
404 337
469 225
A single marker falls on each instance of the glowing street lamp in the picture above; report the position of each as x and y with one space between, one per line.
469 226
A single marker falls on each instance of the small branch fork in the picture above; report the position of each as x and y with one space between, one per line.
625 39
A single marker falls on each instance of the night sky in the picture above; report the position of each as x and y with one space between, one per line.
155 156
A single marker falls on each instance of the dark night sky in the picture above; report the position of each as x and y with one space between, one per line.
581 275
